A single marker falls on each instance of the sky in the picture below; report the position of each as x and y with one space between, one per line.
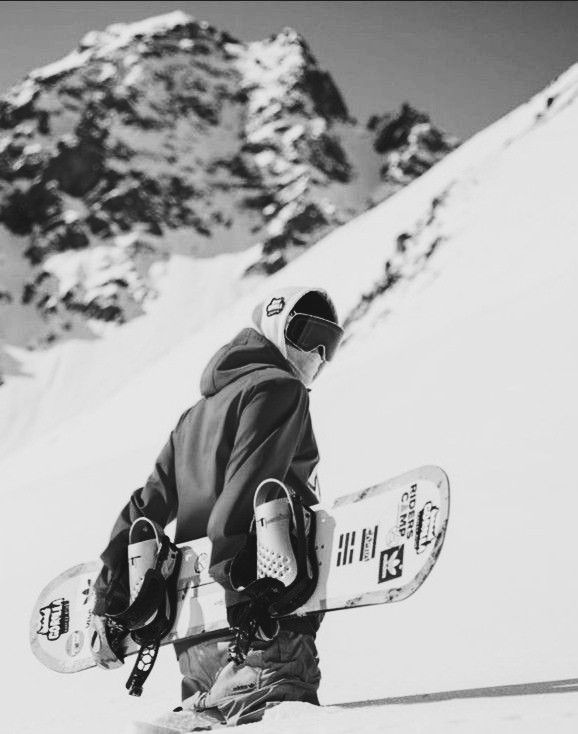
465 63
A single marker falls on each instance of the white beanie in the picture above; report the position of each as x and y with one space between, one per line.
270 316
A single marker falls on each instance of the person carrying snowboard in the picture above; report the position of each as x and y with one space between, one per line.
251 424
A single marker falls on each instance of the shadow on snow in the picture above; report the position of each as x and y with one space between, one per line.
519 689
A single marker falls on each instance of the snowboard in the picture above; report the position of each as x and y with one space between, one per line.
375 546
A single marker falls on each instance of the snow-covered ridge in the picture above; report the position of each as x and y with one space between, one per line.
95 44
170 130
120 34
98 44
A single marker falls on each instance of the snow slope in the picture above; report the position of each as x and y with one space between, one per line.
466 358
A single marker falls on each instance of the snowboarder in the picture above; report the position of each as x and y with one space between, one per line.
252 423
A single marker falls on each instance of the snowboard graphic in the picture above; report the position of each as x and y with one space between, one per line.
373 547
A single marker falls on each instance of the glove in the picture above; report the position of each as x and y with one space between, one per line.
106 643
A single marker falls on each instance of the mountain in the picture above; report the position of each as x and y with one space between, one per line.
460 295
170 137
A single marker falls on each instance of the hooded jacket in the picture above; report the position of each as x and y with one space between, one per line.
252 423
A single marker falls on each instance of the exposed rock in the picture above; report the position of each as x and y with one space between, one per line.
393 129
327 100
327 155
172 124
409 144
23 208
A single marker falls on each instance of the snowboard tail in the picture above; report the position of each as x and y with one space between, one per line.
373 547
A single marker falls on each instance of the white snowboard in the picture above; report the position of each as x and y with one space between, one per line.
373 547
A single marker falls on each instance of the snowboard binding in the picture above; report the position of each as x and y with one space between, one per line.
154 563
278 567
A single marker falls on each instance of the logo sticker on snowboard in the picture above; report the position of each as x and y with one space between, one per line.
54 619
368 541
426 526
347 550
390 564
406 513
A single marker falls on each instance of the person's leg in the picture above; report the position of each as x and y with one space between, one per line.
200 663
286 669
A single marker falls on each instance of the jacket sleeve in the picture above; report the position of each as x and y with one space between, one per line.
156 500
269 433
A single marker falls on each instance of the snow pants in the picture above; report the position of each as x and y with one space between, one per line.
286 669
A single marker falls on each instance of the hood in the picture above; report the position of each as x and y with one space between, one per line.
270 316
248 352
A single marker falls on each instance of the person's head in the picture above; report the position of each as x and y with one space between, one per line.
303 325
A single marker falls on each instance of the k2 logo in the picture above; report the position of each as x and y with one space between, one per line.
391 564
275 306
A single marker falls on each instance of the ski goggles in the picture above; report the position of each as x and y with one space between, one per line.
307 332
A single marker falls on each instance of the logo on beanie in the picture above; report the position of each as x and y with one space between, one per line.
275 306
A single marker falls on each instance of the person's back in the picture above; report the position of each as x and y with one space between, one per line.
251 424
244 383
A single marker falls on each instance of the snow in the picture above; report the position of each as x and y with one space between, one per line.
470 363
73 60
474 712
121 34
22 94
133 76
267 67
96 45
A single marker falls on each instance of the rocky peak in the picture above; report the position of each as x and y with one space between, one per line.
393 129
409 144
170 124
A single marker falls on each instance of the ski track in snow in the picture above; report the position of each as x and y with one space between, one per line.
472 365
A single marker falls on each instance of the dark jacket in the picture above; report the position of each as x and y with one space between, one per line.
252 423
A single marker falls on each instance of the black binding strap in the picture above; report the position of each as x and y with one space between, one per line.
142 668
253 617
303 542
151 614
146 603
269 597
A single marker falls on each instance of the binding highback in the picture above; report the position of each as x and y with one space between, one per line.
277 568
154 563
285 533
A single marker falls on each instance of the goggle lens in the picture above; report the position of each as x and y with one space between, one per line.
308 332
